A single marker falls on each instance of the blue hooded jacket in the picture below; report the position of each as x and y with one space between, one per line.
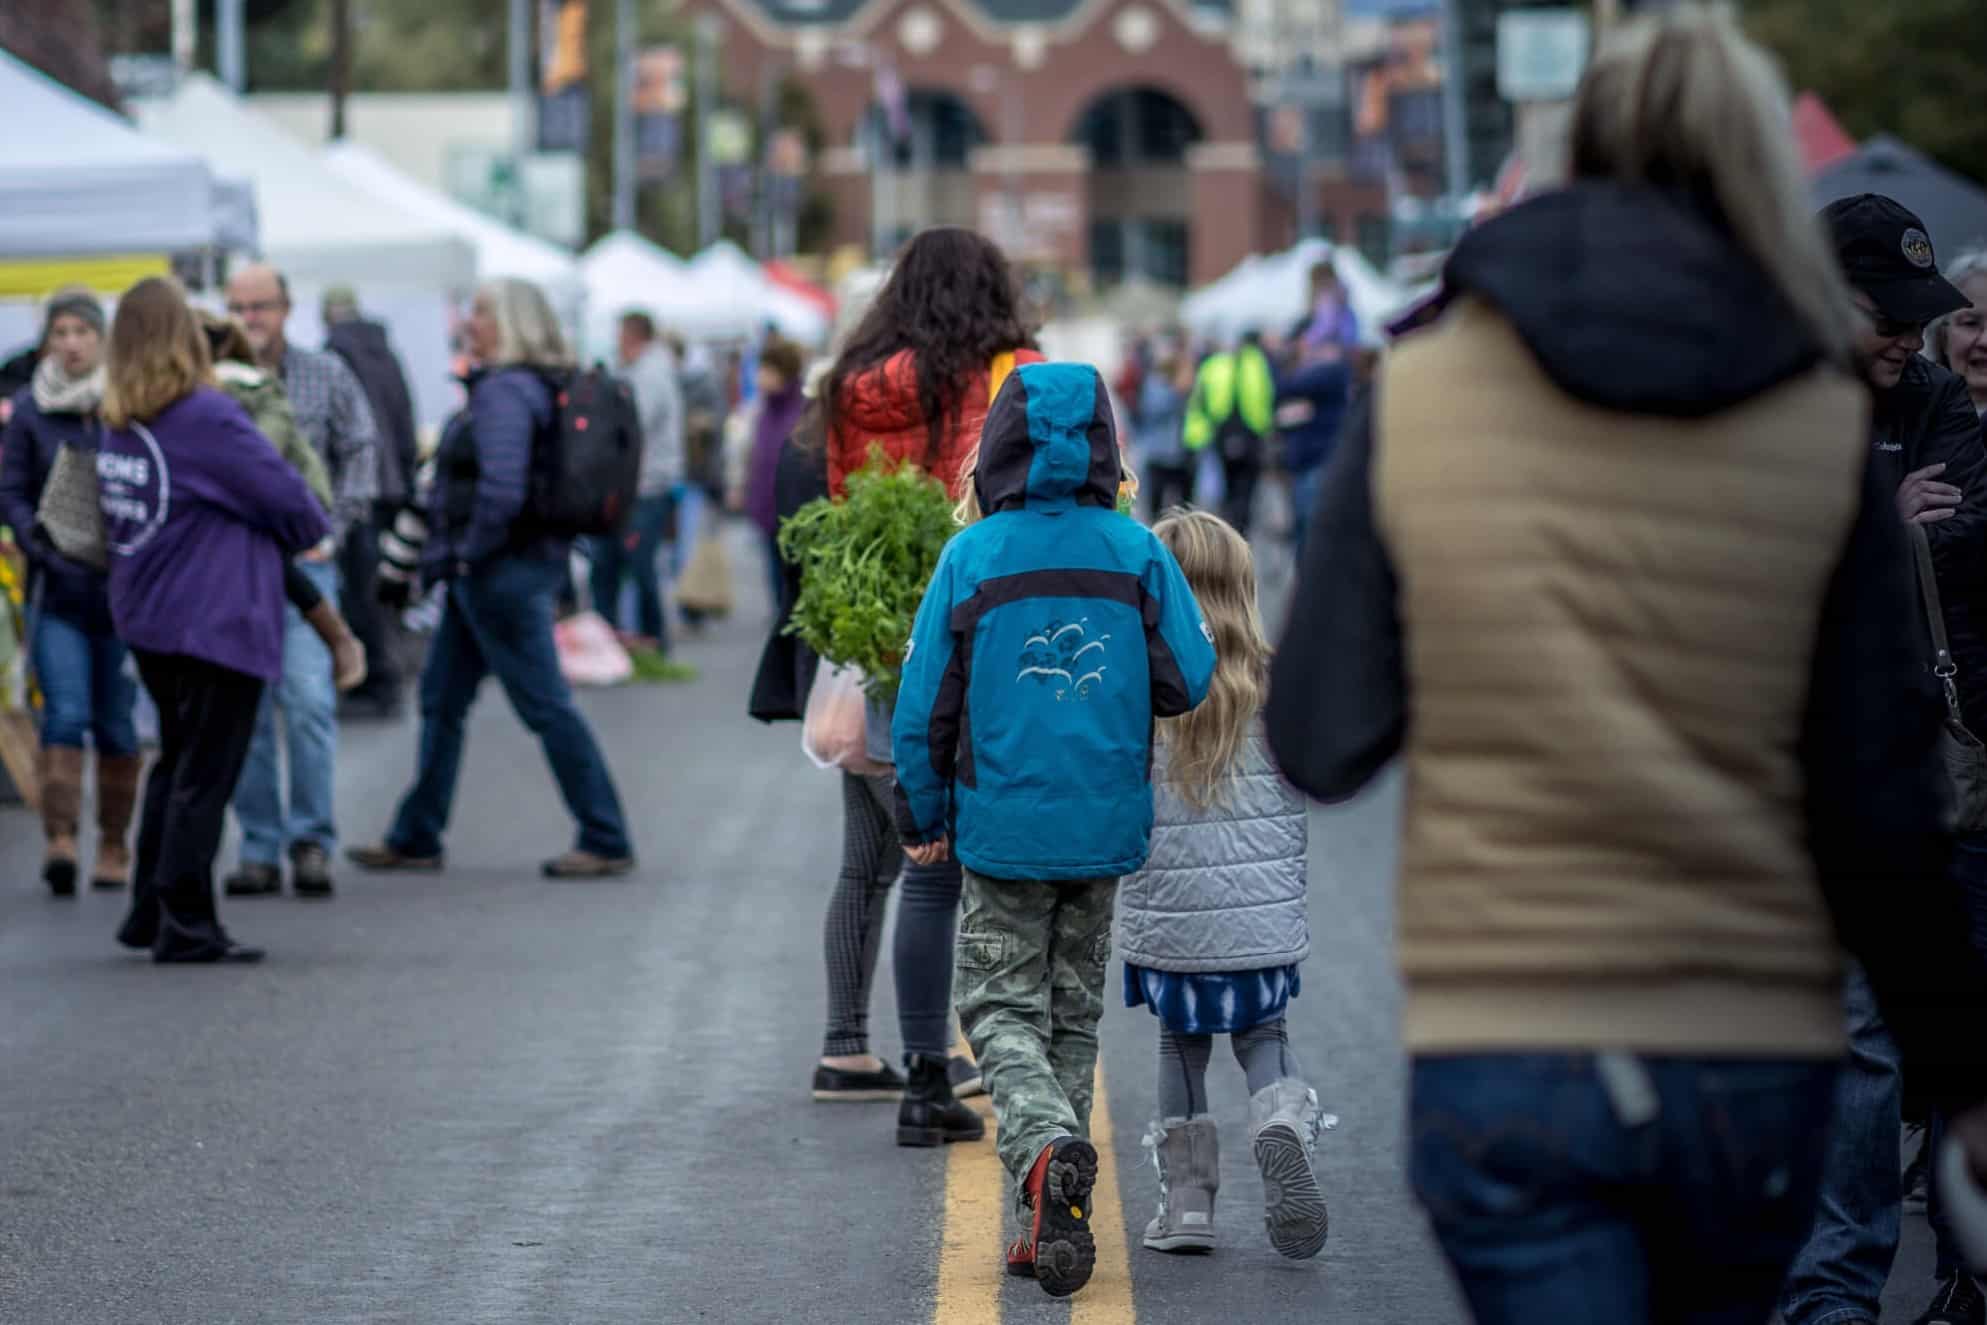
1054 631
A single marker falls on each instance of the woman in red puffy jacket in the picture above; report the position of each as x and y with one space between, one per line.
918 373
916 377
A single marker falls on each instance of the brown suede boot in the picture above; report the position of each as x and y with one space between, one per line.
117 797
61 807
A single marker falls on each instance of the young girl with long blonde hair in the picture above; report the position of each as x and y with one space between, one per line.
1213 928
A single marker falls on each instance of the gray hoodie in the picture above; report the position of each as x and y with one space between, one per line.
1223 889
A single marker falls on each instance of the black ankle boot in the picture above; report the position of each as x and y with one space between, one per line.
929 1115
198 942
140 929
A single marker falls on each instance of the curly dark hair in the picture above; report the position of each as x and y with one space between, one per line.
953 302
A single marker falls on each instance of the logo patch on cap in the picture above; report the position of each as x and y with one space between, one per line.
1917 247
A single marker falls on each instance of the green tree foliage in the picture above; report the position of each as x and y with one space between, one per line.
1916 69
433 46
460 46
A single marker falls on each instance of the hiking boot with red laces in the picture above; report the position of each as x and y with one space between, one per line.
1058 1249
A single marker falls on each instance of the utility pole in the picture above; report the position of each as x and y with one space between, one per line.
765 214
185 35
341 64
1455 113
1307 40
231 48
519 52
708 214
624 114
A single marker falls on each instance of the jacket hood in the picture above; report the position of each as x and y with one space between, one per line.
1633 302
1050 441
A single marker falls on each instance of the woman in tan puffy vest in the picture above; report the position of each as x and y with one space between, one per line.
1601 561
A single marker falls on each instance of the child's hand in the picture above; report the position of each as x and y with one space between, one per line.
931 853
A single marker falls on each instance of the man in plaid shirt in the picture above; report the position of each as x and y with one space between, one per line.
333 413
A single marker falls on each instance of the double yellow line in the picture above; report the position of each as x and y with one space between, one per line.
971 1264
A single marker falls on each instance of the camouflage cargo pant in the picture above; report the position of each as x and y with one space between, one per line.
1030 991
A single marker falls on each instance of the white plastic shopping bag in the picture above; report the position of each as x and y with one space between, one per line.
589 653
833 731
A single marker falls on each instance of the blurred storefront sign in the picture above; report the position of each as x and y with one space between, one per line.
565 113
660 101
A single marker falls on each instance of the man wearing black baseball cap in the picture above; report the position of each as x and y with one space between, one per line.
1928 442
1924 422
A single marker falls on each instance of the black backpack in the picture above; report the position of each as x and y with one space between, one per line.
587 463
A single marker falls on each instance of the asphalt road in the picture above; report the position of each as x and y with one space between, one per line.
483 1097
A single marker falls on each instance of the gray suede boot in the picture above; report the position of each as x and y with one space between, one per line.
1285 1123
1187 1154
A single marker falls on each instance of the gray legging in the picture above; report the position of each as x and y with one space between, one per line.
927 925
1263 1051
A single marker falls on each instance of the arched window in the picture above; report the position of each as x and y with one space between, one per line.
937 131
1139 223
1137 128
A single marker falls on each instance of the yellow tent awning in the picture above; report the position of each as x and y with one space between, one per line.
37 278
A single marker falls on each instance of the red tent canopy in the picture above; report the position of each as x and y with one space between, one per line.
783 275
1823 139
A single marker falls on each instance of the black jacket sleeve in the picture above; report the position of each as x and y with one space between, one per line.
786 666
1338 700
1876 798
1952 437
18 490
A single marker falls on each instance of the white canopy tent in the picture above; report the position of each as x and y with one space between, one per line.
500 250
320 231
721 294
1270 294
625 273
735 299
76 180
315 226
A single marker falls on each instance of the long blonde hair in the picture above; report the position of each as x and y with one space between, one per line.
966 510
157 354
1684 102
1201 746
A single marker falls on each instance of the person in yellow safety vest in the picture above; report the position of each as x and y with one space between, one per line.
1233 407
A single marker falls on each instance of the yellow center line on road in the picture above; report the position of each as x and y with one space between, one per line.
1108 1299
972 1257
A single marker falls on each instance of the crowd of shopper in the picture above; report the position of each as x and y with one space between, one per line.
185 436
1654 552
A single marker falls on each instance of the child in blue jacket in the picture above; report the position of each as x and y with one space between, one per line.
1055 630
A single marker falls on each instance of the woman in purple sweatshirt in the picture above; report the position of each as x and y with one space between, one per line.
201 514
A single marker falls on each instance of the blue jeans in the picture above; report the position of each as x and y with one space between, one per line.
921 954
309 703
1304 487
86 693
1840 1273
499 620
636 553
1969 873
1555 1203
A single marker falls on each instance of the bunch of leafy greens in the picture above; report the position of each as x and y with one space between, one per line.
864 563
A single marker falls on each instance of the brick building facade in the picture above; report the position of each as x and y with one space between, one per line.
1111 137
